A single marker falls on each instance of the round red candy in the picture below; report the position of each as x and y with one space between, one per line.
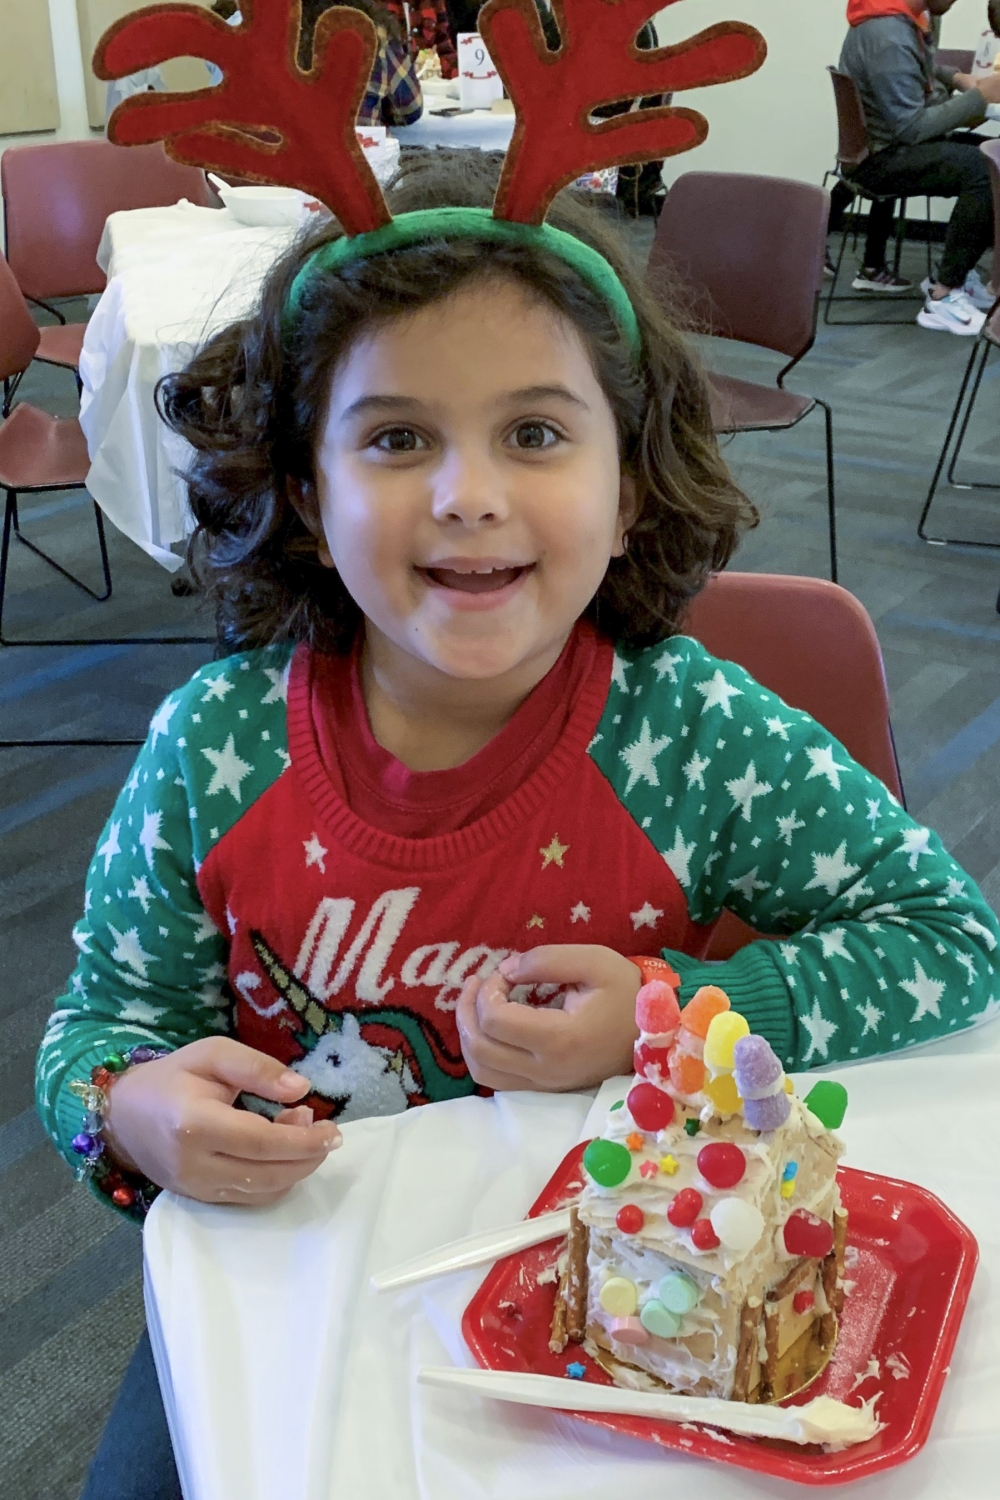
656 1009
650 1107
630 1218
684 1208
803 1301
703 1236
722 1164
807 1235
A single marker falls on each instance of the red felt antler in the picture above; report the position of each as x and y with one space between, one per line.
555 93
267 119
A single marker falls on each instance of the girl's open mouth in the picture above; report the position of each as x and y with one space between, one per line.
487 582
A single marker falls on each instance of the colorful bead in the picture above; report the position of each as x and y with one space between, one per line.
703 1236
659 1320
803 1302
628 1331
575 1371
692 1126
84 1144
723 1094
656 1010
788 1188
650 1107
828 1102
607 1162
723 1033
630 1218
619 1297
635 1141
738 1224
678 1292
115 1063
668 1164
143 1054
684 1208
123 1197
805 1234
722 1164
101 1077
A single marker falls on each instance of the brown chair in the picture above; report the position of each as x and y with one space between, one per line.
982 348
814 645
750 250
56 199
38 452
852 150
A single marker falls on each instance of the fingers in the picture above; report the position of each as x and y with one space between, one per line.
238 1133
492 1063
523 1027
249 1181
223 1060
560 963
300 1115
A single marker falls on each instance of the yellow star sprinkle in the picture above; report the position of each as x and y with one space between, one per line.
554 853
535 921
634 1142
668 1164
788 1188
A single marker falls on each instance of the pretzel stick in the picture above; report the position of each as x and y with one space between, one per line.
801 1272
557 1336
833 1279
747 1349
578 1244
772 1328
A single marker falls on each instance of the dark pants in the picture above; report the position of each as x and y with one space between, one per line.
135 1460
949 168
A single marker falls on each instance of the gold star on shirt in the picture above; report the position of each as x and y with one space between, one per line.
535 921
554 853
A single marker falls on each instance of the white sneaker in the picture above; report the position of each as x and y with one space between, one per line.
978 293
953 313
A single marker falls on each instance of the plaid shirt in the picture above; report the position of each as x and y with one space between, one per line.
393 96
429 28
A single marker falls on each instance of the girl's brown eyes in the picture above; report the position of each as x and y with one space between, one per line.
526 436
397 440
534 435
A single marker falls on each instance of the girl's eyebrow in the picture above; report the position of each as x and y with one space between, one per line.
365 404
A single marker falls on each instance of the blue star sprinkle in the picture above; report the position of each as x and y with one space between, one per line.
576 1371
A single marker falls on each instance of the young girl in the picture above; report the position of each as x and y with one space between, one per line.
462 779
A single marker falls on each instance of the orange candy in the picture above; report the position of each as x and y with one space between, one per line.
687 1073
700 1011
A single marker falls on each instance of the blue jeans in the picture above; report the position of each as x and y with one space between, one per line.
135 1460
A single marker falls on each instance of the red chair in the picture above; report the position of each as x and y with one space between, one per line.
750 252
56 200
814 645
38 452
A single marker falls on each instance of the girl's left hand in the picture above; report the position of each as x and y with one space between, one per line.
511 1046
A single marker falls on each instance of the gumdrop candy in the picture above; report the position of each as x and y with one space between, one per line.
768 1113
805 1234
703 1236
699 1013
630 1218
739 1225
687 1073
723 1033
828 1102
722 1164
756 1068
656 1010
607 1162
723 1094
679 1293
650 1107
628 1331
659 1320
652 1062
619 1297
684 1208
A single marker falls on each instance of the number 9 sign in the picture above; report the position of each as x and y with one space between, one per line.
478 80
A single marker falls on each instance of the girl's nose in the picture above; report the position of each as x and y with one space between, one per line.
469 489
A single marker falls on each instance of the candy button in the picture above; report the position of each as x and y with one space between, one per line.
723 1093
805 1234
628 1331
607 1162
722 1164
619 1297
656 1010
803 1301
828 1102
650 1107
659 1320
723 1033
739 1225
684 1208
767 1114
678 1293
703 1236
630 1218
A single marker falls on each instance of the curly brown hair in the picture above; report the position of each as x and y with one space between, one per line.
250 403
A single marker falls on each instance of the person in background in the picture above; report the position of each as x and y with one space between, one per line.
428 28
393 95
913 109
988 50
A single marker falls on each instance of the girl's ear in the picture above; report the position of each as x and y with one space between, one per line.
628 509
304 501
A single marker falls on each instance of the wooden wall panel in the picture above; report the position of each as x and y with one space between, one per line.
95 16
28 96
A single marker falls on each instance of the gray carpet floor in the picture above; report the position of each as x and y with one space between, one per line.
70 1292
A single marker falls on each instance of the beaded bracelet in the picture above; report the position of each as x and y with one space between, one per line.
127 1190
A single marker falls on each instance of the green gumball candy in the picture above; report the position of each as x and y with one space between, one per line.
607 1162
828 1101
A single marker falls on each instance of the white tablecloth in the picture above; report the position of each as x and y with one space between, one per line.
285 1375
480 128
175 276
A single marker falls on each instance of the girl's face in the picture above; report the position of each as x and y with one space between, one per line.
468 481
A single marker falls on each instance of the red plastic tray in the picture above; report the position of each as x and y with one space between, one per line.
912 1266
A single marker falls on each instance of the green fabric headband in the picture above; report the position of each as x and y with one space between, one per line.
429 224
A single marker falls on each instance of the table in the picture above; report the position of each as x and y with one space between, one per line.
175 276
285 1374
480 128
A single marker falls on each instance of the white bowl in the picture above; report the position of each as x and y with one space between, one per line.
265 206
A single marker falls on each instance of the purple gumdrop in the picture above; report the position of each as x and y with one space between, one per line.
756 1068
767 1113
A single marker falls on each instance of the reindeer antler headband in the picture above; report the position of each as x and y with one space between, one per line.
270 121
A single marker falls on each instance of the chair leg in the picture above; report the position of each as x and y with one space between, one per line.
900 235
956 451
105 565
930 267
836 269
8 515
981 352
831 499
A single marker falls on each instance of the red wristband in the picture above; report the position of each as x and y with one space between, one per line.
655 968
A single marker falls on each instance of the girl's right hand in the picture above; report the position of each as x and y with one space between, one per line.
173 1120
